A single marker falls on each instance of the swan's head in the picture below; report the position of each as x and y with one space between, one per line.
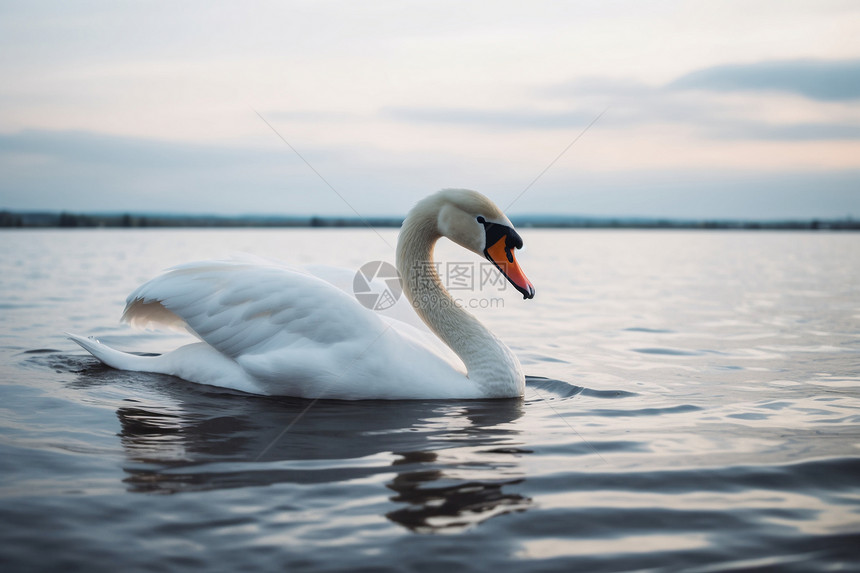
475 223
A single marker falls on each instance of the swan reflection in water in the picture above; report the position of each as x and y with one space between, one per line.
454 462
436 503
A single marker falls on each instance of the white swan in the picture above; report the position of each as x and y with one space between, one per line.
267 328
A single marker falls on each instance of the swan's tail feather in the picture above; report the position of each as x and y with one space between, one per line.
115 358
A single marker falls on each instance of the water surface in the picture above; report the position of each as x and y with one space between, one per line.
693 405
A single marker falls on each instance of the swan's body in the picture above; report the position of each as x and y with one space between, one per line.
267 328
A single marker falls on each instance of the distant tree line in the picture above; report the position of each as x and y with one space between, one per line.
8 219
69 220
66 220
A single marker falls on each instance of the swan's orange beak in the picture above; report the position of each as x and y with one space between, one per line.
501 253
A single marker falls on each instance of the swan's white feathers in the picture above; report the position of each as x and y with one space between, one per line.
471 202
141 314
290 332
269 328
241 308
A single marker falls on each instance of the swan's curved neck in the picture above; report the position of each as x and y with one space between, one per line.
490 364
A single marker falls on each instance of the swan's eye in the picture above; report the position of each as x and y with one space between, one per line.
481 220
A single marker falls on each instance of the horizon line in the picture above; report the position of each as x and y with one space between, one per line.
131 219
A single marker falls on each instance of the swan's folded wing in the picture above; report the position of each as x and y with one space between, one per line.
401 316
242 309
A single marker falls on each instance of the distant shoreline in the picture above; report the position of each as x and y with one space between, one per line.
66 220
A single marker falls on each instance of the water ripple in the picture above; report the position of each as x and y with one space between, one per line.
695 409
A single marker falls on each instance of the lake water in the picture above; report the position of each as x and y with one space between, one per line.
698 410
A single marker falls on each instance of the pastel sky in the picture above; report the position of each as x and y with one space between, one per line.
723 109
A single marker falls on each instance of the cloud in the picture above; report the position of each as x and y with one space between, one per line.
711 115
695 100
92 171
786 132
96 172
703 194
119 151
823 80
634 107
491 119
